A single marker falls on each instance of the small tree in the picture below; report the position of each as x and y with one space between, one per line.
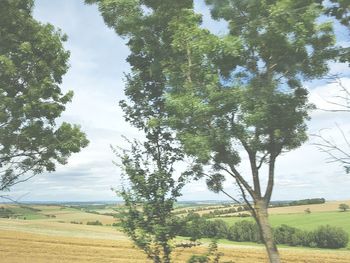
150 189
344 207
32 63
149 193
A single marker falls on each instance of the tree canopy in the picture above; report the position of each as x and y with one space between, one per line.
256 103
32 63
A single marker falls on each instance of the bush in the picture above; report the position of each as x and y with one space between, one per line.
76 223
197 227
330 237
282 234
244 231
94 223
216 229
344 207
323 237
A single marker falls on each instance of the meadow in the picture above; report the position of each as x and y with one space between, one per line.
304 221
48 235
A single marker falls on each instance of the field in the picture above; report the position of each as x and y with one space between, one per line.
47 235
305 221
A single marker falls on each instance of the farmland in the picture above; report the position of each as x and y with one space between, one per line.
305 221
48 235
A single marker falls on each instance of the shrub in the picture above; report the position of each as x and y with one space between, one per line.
76 223
244 231
94 223
282 234
330 237
344 207
216 229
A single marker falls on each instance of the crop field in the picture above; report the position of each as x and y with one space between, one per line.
42 238
326 207
18 247
58 214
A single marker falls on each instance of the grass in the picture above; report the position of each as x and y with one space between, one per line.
25 212
304 221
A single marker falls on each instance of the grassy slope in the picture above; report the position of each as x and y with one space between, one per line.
61 213
305 221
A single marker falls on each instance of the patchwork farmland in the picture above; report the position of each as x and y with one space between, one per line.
53 233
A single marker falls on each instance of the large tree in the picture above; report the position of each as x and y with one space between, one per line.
150 188
254 106
32 63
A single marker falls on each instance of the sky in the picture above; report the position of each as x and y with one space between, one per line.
96 75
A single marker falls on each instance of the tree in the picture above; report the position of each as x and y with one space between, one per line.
149 193
244 93
150 188
344 207
340 9
32 63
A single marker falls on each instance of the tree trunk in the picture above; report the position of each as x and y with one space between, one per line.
266 230
166 253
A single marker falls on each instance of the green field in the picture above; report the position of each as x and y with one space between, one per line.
304 221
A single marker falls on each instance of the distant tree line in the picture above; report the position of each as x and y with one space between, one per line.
310 201
197 227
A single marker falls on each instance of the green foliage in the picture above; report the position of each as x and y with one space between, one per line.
94 223
248 231
344 207
32 63
21 212
212 256
292 236
298 202
149 194
331 237
219 94
262 104
340 9
6 213
244 231
256 102
149 189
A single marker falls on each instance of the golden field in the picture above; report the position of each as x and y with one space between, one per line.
55 240
330 206
22 247
326 207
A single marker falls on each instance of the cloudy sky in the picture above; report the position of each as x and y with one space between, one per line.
96 76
